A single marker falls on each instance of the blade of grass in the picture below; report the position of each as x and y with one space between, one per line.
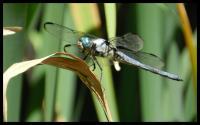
53 45
65 93
11 30
13 51
190 104
110 15
151 86
128 95
170 103
35 88
86 16
175 88
189 98
32 15
187 31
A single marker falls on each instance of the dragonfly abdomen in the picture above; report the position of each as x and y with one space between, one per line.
121 57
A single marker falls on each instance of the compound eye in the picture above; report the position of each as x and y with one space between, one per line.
85 42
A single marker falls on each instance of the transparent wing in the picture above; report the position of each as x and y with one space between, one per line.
131 41
145 58
64 33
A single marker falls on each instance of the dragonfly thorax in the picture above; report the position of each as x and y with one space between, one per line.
102 48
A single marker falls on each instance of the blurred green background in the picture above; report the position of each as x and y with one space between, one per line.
46 93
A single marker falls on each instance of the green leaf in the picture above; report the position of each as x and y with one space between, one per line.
51 80
13 51
151 84
110 14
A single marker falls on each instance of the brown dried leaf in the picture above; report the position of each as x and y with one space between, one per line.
60 60
11 30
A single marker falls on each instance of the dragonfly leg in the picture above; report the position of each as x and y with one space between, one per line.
68 45
94 66
95 59
86 56
92 61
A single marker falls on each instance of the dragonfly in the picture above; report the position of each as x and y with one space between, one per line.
127 49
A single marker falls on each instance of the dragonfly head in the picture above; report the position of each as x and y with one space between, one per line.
84 42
